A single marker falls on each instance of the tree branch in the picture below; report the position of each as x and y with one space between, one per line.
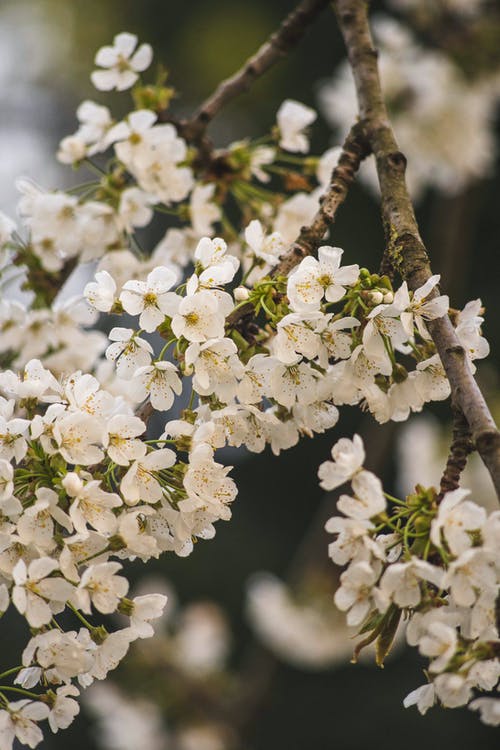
405 250
289 33
460 448
354 150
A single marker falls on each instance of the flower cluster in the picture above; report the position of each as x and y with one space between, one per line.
434 560
86 483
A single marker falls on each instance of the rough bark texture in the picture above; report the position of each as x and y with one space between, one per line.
461 447
405 251
354 150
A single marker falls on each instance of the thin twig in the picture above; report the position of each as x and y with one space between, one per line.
405 250
354 150
289 33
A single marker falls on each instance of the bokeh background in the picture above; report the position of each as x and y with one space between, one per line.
46 55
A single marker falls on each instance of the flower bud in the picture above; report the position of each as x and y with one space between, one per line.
72 483
241 293
376 297
388 298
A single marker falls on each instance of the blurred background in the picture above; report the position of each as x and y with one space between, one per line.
251 653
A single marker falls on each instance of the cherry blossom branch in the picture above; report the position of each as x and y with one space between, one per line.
354 150
405 251
289 33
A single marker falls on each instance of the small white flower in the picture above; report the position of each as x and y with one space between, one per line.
78 436
292 118
420 309
314 279
207 483
36 525
203 212
468 574
423 697
72 149
485 674
12 441
368 500
122 445
218 267
146 608
296 337
19 720
401 581
95 122
199 317
151 299
356 591
101 586
90 504
489 710
353 540
121 66
135 209
139 483
64 708
294 384
101 292
110 653
129 351
267 248
348 458
34 590
132 531
468 330
217 368
440 642
57 655
456 517
453 690
159 381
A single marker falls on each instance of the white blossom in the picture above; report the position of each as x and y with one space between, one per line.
151 299
101 586
159 381
34 591
139 483
20 720
292 118
129 351
456 517
121 64
314 279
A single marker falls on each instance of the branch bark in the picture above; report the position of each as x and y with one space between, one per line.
289 33
354 150
460 448
405 251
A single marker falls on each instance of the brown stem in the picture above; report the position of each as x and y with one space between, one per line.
461 447
354 150
405 250
289 33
